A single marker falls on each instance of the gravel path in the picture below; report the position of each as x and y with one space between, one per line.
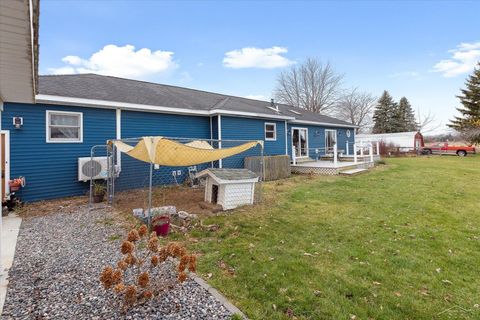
56 269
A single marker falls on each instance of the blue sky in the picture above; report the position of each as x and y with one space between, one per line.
421 50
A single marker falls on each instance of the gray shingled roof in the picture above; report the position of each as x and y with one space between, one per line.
93 86
230 174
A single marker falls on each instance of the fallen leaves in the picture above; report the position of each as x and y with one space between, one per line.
424 291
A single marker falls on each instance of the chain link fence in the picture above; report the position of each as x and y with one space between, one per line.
201 188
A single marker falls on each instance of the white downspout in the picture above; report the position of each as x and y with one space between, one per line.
118 136
220 164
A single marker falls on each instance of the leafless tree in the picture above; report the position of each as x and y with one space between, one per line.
312 86
427 122
356 107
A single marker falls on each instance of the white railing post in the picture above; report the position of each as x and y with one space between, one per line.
348 153
370 150
355 152
335 157
378 148
361 148
294 158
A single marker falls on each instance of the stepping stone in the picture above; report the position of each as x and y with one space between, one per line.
352 172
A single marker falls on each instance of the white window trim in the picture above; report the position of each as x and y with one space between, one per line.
274 131
67 140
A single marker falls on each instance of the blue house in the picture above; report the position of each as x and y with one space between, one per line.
72 113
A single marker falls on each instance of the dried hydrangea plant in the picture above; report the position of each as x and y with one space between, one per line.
135 278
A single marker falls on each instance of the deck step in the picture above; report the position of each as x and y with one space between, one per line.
352 172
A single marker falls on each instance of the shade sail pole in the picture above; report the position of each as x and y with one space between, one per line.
150 195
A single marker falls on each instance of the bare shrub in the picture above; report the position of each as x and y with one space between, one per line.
135 278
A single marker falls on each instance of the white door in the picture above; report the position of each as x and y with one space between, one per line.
300 142
330 139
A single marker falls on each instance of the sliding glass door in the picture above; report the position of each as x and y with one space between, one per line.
330 139
300 142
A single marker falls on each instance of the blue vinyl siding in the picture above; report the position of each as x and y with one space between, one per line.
316 137
234 128
51 169
214 127
138 124
134 124
254 129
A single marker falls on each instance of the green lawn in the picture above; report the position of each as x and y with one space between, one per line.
400 242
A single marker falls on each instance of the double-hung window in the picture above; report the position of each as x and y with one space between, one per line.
64 127
270 131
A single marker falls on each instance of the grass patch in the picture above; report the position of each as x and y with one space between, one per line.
401 242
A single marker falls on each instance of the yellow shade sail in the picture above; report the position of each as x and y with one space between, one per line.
165 152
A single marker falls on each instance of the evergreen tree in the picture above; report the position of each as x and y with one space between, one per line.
384 113
468 122
406 116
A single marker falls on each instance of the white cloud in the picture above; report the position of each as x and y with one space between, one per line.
257 97
121 62
251 57
464 59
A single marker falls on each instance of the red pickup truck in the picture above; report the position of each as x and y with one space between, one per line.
445 148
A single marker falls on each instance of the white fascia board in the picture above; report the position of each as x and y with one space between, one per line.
250 114
324 124
82 102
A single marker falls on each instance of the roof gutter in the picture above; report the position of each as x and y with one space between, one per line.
324 124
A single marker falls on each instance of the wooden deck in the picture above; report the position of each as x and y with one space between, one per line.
323 167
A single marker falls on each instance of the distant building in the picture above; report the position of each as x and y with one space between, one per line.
406 141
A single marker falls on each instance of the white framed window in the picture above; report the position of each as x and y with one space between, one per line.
64 127
270 131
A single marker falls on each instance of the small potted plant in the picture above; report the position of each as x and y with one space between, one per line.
99 191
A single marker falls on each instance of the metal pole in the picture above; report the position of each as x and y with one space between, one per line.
335 155
91 180
150 195
262 173
113 173
355 152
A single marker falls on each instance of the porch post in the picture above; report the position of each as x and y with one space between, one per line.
348 153
370 150
294 158
378 148
355 152
361 148
335 155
